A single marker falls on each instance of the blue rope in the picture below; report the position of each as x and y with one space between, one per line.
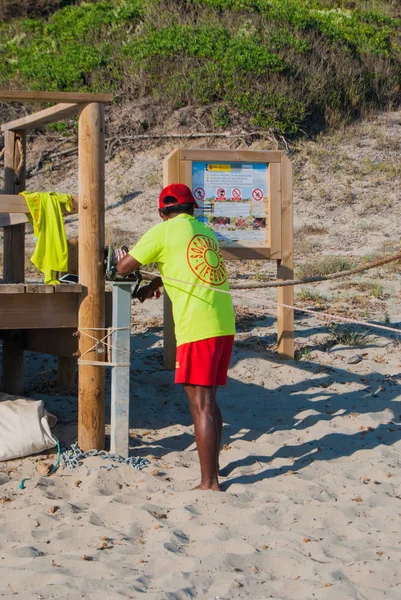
53 469
55 466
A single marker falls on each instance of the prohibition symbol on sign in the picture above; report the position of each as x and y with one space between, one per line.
257 194
236 193
199 193
220 193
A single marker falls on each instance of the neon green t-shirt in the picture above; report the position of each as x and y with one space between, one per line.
187 250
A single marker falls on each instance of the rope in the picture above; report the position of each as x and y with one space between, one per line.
377 263
73 456
275 304
57 463
102 341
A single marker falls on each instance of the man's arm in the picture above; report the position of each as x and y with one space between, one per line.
127 265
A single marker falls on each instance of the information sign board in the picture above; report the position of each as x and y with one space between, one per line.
232 199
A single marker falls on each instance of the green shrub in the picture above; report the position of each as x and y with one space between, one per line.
324 266
284 65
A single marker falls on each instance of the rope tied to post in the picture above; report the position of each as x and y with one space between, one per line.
101 345
282 283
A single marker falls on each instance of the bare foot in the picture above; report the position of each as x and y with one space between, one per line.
213 487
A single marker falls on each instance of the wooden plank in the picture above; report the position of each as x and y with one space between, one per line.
13 260
73 248
186 172
285 266
91 390
39 288
171 168
68 288
171 174
255 156
7 219
54 113
244 252
33 311
274 210
70 97
16 203
12 288
14 236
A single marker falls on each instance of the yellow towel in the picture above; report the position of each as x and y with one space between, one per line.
51 252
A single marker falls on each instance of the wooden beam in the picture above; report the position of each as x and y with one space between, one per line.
13 260
40 288
252 156
91 388
244 253
285 266
16 204
54 113
28 96
34 311
274 210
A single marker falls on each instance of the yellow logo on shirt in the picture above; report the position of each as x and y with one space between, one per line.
205 260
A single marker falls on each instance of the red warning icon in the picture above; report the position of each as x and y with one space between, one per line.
236 194
220 194
199 193
257 194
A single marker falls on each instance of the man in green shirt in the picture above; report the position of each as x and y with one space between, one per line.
194 276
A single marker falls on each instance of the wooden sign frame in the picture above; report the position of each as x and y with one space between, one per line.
177 168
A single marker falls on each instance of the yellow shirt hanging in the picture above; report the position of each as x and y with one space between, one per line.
51 252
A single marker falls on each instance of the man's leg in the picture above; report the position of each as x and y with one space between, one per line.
207 422
219 419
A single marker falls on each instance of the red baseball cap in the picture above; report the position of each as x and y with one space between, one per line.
180 192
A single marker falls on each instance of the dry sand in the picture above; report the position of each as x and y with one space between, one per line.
311 479
311 460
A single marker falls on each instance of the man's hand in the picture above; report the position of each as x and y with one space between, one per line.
146 292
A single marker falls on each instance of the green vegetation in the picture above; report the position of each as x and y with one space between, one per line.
324 266
303 353
348 336
281 65
373 289
312 296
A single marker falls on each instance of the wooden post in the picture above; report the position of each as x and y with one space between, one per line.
13 260
91 382
285 266
169 344
171 174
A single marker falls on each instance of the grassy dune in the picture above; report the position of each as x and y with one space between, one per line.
281 65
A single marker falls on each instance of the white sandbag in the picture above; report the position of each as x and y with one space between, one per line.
24 427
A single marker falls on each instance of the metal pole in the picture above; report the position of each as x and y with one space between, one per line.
120 376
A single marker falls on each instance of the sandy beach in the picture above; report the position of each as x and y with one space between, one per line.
310 473
311 458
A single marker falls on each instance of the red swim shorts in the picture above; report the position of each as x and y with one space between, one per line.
204 362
